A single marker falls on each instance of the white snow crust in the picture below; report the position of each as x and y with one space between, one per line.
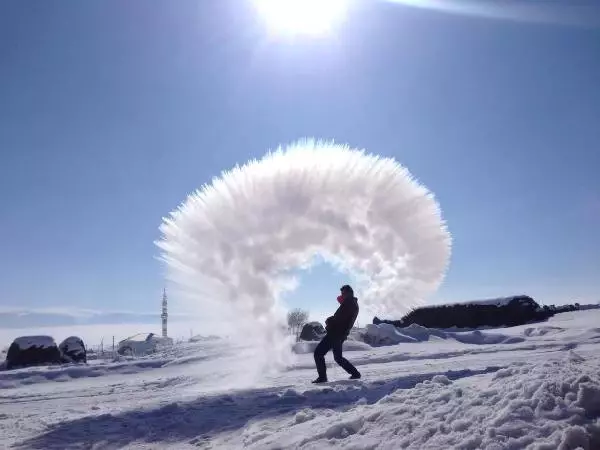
498 301
25 342
387 334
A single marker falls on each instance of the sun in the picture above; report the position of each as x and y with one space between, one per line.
311 17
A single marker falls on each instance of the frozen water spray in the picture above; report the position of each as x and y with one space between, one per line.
232 243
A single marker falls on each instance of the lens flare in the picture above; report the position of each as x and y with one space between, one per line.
583 13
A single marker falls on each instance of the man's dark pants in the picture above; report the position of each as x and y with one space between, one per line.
335 344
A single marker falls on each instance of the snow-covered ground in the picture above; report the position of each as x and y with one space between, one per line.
535 387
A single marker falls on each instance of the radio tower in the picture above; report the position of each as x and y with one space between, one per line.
164 316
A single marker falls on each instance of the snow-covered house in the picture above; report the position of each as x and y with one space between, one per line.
143 344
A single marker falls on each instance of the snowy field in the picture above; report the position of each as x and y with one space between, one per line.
534 387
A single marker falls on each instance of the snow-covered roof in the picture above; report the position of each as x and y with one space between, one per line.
72 341
25 342
140 337
499 301
146 337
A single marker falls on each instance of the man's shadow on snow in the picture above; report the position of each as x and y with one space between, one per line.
207 416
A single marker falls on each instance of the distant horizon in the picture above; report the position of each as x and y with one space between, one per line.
181 326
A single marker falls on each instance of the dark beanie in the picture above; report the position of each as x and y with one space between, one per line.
346 288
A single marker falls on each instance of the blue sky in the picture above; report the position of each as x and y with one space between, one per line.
112 112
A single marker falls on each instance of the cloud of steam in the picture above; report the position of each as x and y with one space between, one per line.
581 13
234 241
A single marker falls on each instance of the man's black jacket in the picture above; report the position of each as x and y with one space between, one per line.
340 324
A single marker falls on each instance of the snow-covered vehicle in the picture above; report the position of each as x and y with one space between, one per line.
143 344
28 351
312 331
73 350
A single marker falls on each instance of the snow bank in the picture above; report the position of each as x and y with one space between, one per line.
387 334
185 354
554 406
480 338
542 331
27 376
422 334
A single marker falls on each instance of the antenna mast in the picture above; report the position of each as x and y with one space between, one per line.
164 316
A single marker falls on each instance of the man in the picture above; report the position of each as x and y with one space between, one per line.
338 327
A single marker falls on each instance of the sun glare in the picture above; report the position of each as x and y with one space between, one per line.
313 17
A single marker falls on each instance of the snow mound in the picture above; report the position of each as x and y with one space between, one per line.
574 357
480 338
385 334
34 375
423 334
542 331
25 342
388 334
543 407
180 355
